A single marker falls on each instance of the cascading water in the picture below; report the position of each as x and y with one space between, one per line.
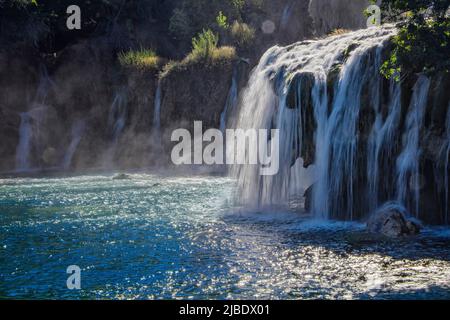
23 149
77 133
118 115
157 110
116 123
30 122
231 102
445 155
315 91
286 15
381 141
408 178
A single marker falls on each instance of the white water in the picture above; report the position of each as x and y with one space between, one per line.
408 178
264 106
381 141
231 102
77 133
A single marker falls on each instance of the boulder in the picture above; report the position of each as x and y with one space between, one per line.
392 220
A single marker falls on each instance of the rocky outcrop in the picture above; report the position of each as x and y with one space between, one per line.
392 220
337 14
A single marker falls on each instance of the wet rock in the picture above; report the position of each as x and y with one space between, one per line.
121 176
392 220
308 198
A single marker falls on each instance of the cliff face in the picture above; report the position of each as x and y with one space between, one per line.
77 108
336 14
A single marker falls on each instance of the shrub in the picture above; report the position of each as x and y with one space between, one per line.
422 44
143 58
242 34
222 21
204 44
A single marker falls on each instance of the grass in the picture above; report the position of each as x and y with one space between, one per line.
204 52
243 34
216 57
142 59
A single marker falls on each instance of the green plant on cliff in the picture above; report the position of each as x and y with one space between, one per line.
422 44
222 21
204 44
205 52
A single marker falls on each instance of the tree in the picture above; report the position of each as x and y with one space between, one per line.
422 44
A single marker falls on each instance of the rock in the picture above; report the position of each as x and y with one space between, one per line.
392 221
308 198
121 176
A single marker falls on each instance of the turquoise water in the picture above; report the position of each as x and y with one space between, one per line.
154 237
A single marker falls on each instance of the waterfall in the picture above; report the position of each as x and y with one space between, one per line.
381 141
76 135
117 118
286 15
445 155
118 115
231 101
408 177
313 91
30 121
24 146
157 110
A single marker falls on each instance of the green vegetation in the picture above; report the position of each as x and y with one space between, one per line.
142 59
204 44
204 51
222 21
423 41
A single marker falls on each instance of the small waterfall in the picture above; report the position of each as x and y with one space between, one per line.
323 79
286 15
77 133
118 115
117 118
157 111
30 122
381 141
408 178
231 102
23 149
445 155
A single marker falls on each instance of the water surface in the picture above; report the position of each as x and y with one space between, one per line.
154 237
